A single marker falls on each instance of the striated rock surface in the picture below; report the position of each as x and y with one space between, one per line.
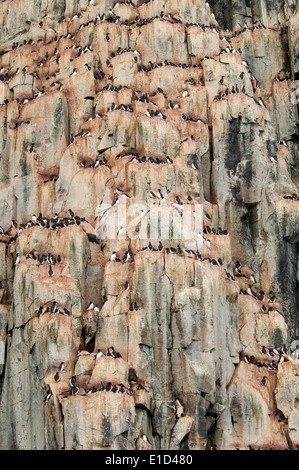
149 212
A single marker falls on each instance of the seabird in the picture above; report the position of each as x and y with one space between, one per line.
40 311
49 395
108 387
160 194
99 354
53 308
145 439
56 377
114 353
249 291
126 257
73 381
74 391
50 272
90 306
233 421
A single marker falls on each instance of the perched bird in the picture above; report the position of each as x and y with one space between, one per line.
264 381
73 381
145 439
40 311
49 395
74 390
99 354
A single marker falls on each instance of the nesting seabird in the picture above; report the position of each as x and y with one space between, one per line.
74 390
99 354
264 381
50 272
108 387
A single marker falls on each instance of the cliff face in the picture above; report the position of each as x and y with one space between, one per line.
143 112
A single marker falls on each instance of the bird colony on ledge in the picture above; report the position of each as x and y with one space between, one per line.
143 112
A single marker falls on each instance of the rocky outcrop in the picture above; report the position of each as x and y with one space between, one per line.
149 225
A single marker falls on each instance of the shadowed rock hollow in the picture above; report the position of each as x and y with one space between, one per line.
146 113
